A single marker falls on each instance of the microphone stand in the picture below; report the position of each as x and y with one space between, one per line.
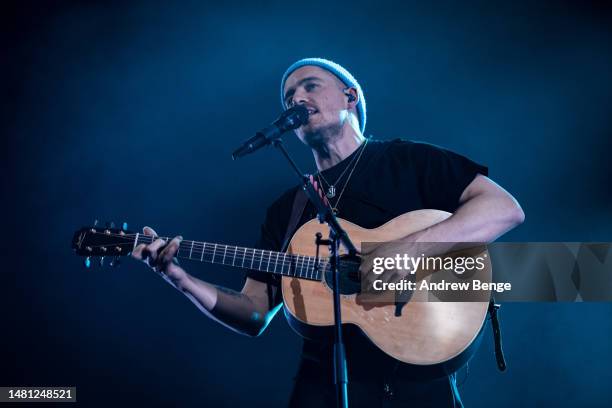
337 236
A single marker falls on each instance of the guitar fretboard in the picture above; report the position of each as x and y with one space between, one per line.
279 263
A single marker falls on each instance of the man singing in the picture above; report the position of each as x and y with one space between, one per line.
367 182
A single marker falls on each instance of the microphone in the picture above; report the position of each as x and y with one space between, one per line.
290 119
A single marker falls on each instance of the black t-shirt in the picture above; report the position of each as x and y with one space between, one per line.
391 178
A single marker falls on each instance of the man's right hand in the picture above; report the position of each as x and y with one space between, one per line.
160 256
246 312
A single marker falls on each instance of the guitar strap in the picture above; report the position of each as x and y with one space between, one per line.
299 203
499 351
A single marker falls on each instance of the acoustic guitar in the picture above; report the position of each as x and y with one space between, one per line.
437 338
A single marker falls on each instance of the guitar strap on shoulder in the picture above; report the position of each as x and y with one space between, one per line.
499 351
299 203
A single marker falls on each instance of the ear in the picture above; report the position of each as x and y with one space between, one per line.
352 96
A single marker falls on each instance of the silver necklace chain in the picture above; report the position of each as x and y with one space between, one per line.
332 188
331 192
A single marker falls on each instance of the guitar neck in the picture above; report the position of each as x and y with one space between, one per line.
277 263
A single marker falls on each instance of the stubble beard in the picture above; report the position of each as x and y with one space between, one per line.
319 138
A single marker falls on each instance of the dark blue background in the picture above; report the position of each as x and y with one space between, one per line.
130 112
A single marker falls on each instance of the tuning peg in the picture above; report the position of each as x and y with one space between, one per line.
95 223
124 226
101 261
87 262
115 262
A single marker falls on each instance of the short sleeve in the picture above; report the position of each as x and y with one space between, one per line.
443 175
270 239
267 241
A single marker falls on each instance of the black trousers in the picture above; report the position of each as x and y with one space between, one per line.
314 387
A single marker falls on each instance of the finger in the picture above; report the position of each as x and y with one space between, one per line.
396 277
170 250
137 252
140 252
150 253
389 276
149 231
367 278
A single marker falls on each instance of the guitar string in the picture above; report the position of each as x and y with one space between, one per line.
300 268
302 271
302 264
200 246
186 245
197 245
262 256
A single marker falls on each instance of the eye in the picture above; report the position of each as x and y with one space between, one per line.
309 87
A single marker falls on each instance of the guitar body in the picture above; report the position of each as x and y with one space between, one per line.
437 338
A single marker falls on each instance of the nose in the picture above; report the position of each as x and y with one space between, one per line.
299 97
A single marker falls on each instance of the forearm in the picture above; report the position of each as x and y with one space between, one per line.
236 311
486 212
481 219
230 308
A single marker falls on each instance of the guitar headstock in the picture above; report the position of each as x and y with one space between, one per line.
103 242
